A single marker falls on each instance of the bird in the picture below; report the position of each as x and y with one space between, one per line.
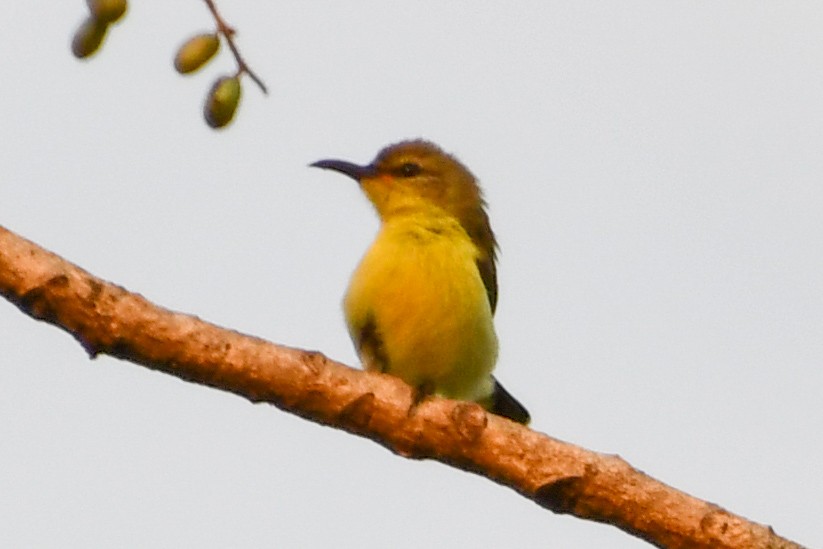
420 304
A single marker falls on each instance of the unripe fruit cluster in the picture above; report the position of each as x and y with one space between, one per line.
224 97
89 36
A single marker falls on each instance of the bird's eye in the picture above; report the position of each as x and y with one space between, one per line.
409 169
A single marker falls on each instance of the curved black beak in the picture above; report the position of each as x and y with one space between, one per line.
354 171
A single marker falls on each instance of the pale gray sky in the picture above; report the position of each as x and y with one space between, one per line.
653 171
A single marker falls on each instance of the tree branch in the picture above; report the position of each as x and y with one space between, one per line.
561 477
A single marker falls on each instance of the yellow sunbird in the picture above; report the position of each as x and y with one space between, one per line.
421 302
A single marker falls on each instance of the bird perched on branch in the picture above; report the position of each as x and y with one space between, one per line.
421 302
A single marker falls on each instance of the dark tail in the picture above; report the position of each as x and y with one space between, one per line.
504 404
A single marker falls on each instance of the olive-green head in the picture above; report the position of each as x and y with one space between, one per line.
417 175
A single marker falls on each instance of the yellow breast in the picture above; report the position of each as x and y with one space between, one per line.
417 308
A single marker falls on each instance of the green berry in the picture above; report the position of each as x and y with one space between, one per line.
196 52
88 37
222 101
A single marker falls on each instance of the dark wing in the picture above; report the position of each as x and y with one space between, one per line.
477 226
488 273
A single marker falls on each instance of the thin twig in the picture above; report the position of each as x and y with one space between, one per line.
228 33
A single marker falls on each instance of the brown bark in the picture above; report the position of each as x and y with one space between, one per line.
562 477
